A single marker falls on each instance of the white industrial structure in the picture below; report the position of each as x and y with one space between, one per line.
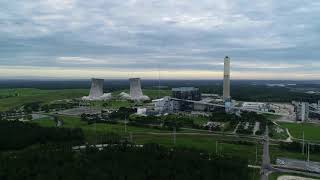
257 106
96 91
135 91
302 111
226 79
164 105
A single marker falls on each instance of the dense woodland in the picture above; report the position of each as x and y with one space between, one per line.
122 162
16 135
31 152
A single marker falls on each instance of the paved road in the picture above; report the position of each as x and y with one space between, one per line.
266 167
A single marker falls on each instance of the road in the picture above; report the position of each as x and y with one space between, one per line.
266 167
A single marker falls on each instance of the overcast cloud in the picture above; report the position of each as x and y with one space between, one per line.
184 39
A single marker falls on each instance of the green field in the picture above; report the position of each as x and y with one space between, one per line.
311 131
21 96
200 141
142 135
29 95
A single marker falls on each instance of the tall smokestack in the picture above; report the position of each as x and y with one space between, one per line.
226 79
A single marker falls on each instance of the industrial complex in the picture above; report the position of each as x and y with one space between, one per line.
153 111
190 99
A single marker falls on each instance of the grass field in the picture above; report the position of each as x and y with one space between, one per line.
29 95
203 141
141 135
112 104
311 131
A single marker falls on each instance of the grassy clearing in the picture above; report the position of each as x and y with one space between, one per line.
29 95
205 142
21 96
200 120
279 135
141 136
45 122
311 131
276 152
114 103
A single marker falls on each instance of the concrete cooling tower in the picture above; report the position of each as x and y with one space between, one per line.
135 91
96 88
96 91
135 88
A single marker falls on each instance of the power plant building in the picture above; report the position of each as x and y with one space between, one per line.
302 111
186 93
226 79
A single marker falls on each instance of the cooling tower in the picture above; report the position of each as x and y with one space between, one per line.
226 79
96 90
135 88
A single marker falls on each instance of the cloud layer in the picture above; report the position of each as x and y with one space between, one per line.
185 39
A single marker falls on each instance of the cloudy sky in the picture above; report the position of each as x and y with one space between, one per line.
176 39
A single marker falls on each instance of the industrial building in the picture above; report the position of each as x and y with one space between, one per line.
165 105
256 106
96 91
302 111
186 93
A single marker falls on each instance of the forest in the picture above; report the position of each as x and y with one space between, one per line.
15 135
31 152
120 162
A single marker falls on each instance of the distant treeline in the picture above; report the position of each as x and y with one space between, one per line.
262 93
15 135
242 90
121 162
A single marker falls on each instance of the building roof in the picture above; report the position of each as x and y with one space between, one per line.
185 89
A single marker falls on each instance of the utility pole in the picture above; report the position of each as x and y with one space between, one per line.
256 153
308 152
131 137
125 124
216 147
303 142
95 130
174 135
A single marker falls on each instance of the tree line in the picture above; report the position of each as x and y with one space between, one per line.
16 135
120 162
